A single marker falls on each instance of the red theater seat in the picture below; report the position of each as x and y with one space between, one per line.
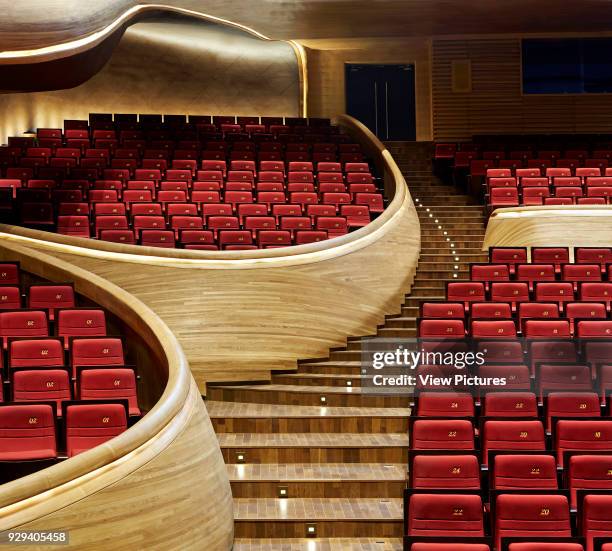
465 292
582 435
27 323
527 472
538 310
512 435
445 472
109 384
434 434
589 472
498 329
101 351
508 255
535 272
442 310
489 272
51 297
9 273
560 292
425 546
335 226
596 292
546 329
445 404
42 385
490 310
445 515
27 432
274 238
81 323
596 518
157 238
531 516
10 297
510 404
446 328
504 197
89 425
550 255
563 377
41 353
600 329
513 292
571 404
548 546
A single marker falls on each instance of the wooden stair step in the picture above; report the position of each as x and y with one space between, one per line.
318 544
304 395
314 379
333 366
309 447
228 417
334 517
346 480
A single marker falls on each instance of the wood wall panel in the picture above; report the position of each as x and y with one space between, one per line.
239 319
496 104
326 60
171 65
22 25
568 226
161 484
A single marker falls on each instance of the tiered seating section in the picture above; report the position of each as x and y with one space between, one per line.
209 183
528 174
526 466
66 386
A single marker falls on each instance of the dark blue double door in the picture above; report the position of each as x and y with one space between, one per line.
382 97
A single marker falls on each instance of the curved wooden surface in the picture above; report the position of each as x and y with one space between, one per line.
289 303
569 226
160 65
117 495
67 20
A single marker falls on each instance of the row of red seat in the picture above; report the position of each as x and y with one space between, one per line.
557 403
163 155
65 384
206 171
469 151
28 432
519 521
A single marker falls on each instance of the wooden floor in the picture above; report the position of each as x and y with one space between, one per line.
339 455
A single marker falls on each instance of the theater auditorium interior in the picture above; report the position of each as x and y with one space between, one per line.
306 275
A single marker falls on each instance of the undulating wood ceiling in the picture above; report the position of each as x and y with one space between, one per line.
38 23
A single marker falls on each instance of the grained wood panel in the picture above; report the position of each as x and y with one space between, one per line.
495 103
171 66
68 19
569 226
